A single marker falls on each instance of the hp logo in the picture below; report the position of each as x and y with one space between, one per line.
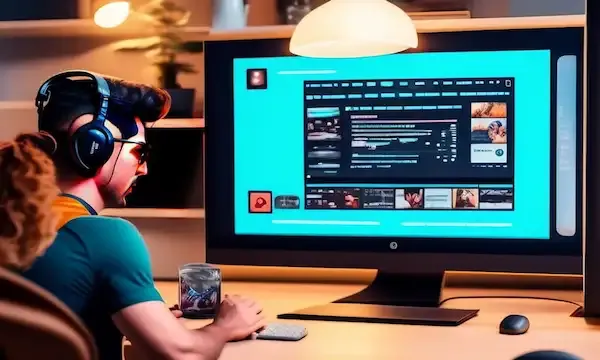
393 245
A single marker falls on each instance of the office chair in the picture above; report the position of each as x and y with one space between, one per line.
34 324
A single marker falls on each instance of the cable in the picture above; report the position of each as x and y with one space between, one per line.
511 297
112 173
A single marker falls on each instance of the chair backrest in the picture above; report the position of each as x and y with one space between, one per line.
28 333
33 321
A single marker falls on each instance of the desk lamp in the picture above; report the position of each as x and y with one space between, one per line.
354 28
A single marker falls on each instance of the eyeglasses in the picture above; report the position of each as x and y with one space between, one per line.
143 149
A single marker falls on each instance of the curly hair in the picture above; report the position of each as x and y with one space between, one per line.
28 189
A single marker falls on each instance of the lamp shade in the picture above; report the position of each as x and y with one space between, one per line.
354 28
110 14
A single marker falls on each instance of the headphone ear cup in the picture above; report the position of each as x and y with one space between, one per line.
91 147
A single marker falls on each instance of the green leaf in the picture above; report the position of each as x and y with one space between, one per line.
192 47
166 13
141 44
165 18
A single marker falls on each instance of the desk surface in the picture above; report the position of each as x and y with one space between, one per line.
551 327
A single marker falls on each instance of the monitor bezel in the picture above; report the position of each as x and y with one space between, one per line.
225 247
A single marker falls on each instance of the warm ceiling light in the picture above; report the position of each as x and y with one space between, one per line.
110 14
354 28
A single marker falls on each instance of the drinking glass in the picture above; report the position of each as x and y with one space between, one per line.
199 290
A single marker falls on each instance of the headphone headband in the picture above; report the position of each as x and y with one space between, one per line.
92 144
100 84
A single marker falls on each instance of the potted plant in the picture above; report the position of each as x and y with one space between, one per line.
167 20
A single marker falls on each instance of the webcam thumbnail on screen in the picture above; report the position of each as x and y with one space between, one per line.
413 145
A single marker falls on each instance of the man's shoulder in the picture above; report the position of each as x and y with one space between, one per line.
99 220
96 225
107 238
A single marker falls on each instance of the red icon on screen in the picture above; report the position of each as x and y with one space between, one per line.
260 202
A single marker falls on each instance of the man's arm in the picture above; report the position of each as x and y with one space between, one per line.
152 329
124 269
122 261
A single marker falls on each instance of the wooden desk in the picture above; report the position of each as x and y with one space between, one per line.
551 327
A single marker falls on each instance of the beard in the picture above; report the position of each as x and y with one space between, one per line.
116 199
113 199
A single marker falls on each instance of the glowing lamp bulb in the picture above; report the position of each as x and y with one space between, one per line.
112 14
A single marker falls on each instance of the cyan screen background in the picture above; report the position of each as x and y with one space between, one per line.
269 145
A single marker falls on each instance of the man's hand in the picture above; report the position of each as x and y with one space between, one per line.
239 318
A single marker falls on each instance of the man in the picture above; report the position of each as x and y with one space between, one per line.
100 266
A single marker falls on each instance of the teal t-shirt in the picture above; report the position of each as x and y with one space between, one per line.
97 266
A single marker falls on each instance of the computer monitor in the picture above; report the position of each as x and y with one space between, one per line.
464 154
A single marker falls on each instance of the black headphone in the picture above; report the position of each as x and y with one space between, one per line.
92 144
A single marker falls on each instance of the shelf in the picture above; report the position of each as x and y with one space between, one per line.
194 123
424 22
71 28
438 15
132 28
78 28
197 123
424 25
17 105
155 213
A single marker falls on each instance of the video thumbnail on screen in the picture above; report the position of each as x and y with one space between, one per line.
409 198
488 133
488 110
320 198
496 199
465 198
378 199
323 124
438 198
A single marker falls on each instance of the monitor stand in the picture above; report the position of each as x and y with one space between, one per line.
391 299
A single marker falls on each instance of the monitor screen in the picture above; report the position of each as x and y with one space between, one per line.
473 136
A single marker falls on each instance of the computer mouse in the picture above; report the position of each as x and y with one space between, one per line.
548 355
514 325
